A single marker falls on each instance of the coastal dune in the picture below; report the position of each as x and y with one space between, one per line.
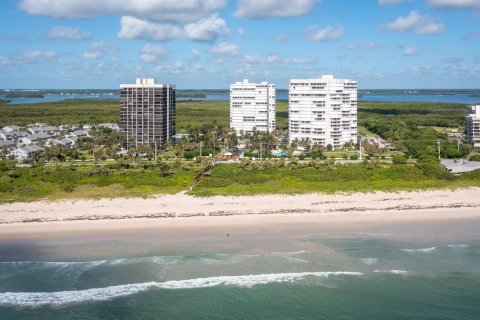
183 212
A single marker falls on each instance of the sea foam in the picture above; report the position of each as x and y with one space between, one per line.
369 261
420 250
392 271
39 299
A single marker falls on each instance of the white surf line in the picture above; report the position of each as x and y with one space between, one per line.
39 299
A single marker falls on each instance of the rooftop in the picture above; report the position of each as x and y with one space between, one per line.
459 166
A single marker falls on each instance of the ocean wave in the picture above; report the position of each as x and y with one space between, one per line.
458 245
39 299
82 266
290 255
420 250
391 271
369 261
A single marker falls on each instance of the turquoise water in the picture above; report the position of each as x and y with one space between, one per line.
406 272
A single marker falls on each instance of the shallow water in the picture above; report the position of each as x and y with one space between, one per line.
428 271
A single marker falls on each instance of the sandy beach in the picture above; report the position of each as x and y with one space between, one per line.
181 212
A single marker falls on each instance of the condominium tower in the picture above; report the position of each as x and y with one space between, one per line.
323 110
252 107
147 113
473 126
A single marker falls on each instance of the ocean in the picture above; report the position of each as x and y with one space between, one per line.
425 271
368 96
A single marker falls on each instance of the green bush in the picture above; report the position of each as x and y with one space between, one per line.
474 157
399 160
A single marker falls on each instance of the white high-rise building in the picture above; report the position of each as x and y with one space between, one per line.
323 110
473 126
252 106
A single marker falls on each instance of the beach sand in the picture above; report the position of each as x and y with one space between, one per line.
184 213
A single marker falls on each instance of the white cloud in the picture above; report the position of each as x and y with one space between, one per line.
204 30
282 37
92 55
453 61
328 33
151 53
388 2
410 52
133 28
226 48
366 46
195 55
258 59
154 10
67 33
261 9
416 23
4 61
35 55
208 29
454 4
241 32
103 47
297 61
98 49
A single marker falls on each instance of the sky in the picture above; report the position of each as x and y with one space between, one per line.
207 44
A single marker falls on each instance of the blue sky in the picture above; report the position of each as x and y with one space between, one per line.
211 43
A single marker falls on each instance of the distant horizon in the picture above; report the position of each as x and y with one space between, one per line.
363 89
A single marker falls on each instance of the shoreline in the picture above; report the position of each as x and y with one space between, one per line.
183 213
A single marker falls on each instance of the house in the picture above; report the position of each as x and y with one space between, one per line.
459 166
10 129
33 138
5 135
67 142
79 134
18 134
6 143
44 129
26 152
111 126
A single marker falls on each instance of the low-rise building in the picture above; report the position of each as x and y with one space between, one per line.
11 129
6 143
43 129
111 126
66 142
4 135
79 134
34 138
26 152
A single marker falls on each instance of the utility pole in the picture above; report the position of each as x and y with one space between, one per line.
458 144
200 148
360 148
260 151
438 143
155 157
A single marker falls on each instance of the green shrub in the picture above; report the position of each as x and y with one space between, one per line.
399 160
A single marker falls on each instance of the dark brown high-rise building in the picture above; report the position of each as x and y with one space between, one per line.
147 112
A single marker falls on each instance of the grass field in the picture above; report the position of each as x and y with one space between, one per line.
195 113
